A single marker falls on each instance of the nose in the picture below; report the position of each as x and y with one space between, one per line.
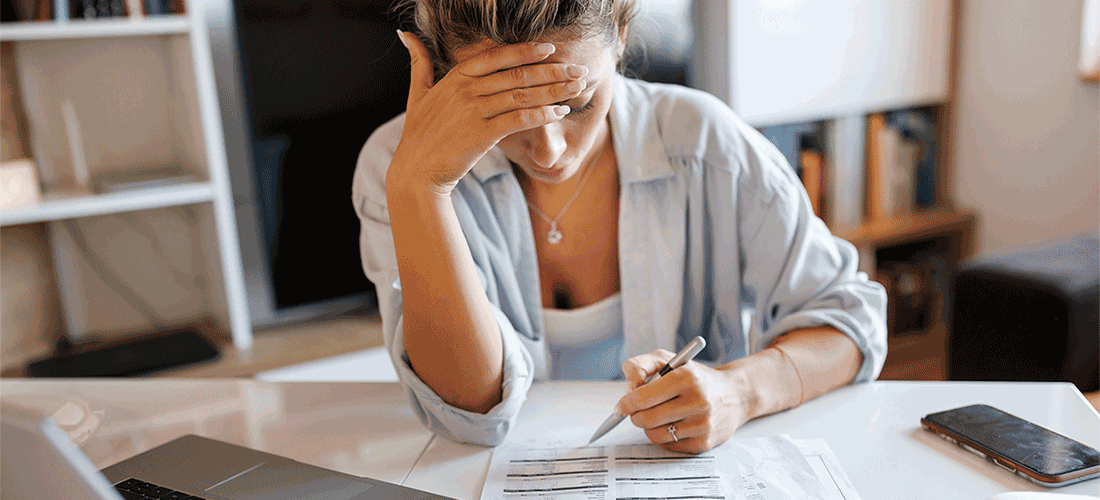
545 144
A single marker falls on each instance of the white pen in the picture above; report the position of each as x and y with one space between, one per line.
686 354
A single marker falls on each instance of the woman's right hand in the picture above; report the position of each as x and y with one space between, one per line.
450 125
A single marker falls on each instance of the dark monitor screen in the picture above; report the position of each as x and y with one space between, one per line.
318 77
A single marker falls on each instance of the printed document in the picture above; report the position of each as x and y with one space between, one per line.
775 468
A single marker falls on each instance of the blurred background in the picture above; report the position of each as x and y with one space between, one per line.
184 167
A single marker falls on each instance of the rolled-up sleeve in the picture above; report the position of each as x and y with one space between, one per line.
380 265
799 273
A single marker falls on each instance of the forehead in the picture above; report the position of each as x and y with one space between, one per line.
591 51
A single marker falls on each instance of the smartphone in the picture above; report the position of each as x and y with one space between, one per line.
1037 454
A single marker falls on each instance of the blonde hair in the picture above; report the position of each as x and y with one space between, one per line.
446 25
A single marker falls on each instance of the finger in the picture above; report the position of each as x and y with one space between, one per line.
502 57
666 413
636 369
694 446
661 434
421 76
648 396
544 95
688 427
518 120
530 75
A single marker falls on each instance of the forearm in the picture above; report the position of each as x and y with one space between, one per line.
451 335
799 366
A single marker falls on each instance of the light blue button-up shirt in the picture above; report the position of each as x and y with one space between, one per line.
716 238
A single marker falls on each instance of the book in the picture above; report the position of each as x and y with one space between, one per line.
919 127
879 150
155 7
163 7
61 10
43 10
903 176
786 139
844 141
88 9
901 163
812 163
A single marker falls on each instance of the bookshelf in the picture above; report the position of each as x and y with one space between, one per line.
839 72
144 92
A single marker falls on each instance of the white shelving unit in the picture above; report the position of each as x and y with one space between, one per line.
61 206
80 29
144 91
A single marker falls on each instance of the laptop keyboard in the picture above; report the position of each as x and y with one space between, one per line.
132 489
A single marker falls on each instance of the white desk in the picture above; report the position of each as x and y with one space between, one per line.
368 429
874 430
360 429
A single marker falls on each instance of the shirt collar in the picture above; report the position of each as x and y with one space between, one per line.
639 149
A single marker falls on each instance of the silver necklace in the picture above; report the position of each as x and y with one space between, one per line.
555 236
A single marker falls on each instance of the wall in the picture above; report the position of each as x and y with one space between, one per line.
1027 128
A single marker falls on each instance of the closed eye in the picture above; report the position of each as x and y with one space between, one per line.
581 110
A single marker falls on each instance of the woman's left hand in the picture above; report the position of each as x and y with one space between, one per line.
705 404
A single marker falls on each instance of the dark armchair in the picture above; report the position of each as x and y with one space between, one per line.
1030 315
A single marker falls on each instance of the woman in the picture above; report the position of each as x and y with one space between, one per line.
536 215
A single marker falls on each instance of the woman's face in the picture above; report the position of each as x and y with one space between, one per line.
556 152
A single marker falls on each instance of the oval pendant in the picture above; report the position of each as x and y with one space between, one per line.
554 236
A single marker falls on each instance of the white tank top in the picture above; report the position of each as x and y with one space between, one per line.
587 342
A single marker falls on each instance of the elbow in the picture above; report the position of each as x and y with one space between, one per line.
468 431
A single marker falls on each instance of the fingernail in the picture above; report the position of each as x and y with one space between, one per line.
561 110
575 86
576 71
401 36
544 49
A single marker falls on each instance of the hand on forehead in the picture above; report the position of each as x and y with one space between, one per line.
591 52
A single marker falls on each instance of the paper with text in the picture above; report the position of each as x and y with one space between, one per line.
775 468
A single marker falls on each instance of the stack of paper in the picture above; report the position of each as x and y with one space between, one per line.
774 468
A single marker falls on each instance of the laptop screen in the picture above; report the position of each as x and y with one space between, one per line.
40 461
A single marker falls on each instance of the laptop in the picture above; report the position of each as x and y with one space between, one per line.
40 461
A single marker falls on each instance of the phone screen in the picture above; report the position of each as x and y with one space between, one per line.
1043 451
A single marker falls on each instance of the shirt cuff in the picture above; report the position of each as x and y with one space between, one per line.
456 424
865 326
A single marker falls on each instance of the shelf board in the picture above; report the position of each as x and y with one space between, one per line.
76 29
66 205
911 227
